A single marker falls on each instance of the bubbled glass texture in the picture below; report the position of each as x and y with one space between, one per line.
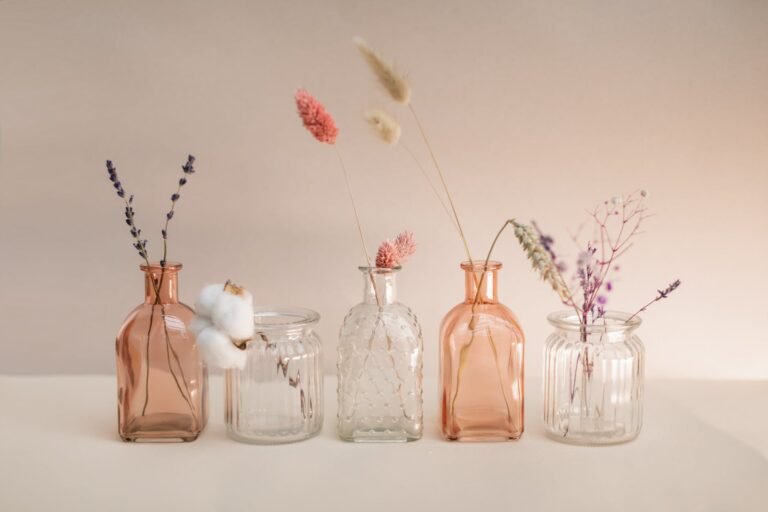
380 360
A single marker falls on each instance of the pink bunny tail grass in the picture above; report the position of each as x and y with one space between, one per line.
393 253
387 255
315 118
405 245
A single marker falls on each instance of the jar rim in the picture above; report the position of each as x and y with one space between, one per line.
612 321
270 318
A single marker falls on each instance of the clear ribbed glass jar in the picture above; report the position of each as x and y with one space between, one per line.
278 396
380 366
593 379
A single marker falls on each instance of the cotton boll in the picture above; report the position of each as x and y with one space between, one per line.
233 314
218 351
208 298
198 324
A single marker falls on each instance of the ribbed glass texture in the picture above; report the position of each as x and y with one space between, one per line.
278 396
380 366
593 380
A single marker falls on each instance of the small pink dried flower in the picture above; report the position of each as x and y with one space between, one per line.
387 255
406 245
315 118
393 253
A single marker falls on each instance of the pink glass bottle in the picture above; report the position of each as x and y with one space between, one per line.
162 382
481 363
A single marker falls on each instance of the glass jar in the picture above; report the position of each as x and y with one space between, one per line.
278 396
481 363
162 383
380 365
593 379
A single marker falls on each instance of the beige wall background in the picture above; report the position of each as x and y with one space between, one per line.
536 109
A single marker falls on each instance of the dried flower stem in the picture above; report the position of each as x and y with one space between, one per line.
431 184
630 217
359 224
442 181
662 294
141 246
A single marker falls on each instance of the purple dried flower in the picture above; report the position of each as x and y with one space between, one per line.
662 294
188 168
139 243
547 242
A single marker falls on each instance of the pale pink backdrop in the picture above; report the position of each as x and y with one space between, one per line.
536 111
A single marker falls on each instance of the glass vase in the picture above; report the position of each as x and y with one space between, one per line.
162 382
593 379
380 365
278 396
481 363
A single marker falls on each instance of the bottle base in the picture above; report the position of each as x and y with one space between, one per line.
483 437
161 428
379 436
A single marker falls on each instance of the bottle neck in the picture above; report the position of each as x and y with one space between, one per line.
487 283
379 286
165 281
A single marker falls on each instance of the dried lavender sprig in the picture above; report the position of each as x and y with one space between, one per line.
548 243
140 244
662 294
542 262
188 168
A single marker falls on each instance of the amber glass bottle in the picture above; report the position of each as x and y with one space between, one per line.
162 382
481 363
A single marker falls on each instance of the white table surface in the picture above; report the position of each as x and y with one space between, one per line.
704 446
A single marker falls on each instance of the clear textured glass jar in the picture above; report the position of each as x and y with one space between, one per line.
593 379
481 363
380 365
278 396
162 383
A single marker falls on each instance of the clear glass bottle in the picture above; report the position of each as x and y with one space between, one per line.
593 379
380 365
481 363
278 396
162 382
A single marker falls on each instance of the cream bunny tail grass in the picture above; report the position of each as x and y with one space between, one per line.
386 127
394 83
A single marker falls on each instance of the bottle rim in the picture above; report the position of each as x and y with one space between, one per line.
378 270
154 266
479 265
